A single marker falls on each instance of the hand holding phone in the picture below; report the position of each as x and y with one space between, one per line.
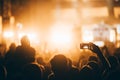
94 48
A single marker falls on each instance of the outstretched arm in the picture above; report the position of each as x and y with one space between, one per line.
94 48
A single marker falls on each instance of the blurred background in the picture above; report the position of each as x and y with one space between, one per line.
60 25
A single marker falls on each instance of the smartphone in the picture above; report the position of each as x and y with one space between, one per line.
84 45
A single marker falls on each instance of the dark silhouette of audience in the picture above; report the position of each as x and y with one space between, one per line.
85 73
24 53
3 72
8 59
96 71
20 63
32 71
59 66
47 69
9 54
73 70
115 69
115 75
114 62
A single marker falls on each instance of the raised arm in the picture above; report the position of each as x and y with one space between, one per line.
94 48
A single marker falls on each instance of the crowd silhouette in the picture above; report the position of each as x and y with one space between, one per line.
20 63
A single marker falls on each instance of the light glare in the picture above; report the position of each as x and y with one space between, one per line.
8 34
60 37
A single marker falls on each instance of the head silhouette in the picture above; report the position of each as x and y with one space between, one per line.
59 63
12 46
25 41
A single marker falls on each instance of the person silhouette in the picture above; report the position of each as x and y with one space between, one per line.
24 54
59 66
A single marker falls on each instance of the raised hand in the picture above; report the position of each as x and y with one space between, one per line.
94 48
